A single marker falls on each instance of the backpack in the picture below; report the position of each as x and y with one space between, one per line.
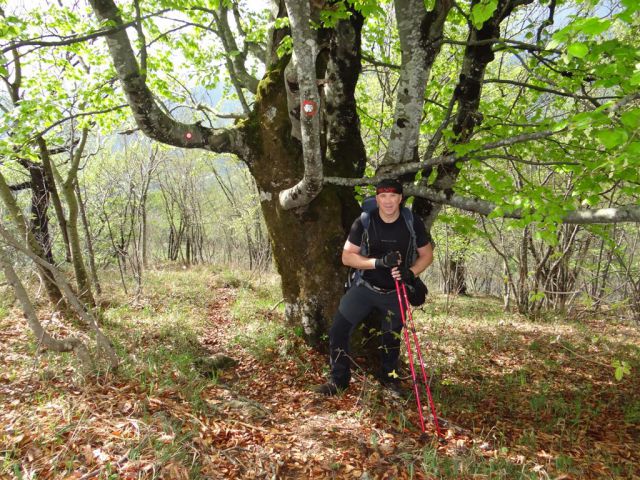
369 205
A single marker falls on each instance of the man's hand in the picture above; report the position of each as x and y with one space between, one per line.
391 259
405 275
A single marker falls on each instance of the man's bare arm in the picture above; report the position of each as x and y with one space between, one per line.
351 257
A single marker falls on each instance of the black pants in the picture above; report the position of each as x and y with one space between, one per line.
355 306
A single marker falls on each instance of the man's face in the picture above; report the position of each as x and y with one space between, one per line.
389 203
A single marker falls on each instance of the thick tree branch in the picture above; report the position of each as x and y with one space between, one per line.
626 213
346 152
305 50
467 93
420 35
236 57
146 111
141 39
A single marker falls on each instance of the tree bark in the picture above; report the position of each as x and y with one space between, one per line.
89 241
306 242
55 198
68 189
39 221
45 339
455 280
53 292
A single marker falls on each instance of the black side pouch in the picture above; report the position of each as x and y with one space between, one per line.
417 292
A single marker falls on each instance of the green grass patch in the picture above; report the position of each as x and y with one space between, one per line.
261 330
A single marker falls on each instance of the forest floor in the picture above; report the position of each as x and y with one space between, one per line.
518 398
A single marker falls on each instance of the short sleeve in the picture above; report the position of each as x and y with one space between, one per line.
355 234
422 236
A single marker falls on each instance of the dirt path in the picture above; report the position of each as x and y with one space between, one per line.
277 427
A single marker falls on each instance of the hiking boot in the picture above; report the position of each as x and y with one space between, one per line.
394 386
327 389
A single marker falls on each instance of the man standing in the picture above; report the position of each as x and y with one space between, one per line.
389 250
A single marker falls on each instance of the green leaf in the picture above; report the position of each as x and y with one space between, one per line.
285 47
481 12
582 120
612 137
594 26
368 7
561 125
635 79
281 22
622 368
634 148
536 296
578 50
631 119
632 5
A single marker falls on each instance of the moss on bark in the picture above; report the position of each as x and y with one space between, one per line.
306 242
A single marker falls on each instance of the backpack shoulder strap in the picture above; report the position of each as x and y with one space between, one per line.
369 205
365 219
412 253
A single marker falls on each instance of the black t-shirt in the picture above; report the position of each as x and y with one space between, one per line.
384 238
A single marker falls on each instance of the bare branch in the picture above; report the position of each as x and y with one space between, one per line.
626 213
77 115
505 41
78 38
378 63
547 90
207 108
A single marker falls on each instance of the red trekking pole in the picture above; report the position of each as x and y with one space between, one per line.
407 321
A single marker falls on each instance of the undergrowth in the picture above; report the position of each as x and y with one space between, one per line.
522 399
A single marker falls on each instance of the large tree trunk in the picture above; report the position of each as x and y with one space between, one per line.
306 242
